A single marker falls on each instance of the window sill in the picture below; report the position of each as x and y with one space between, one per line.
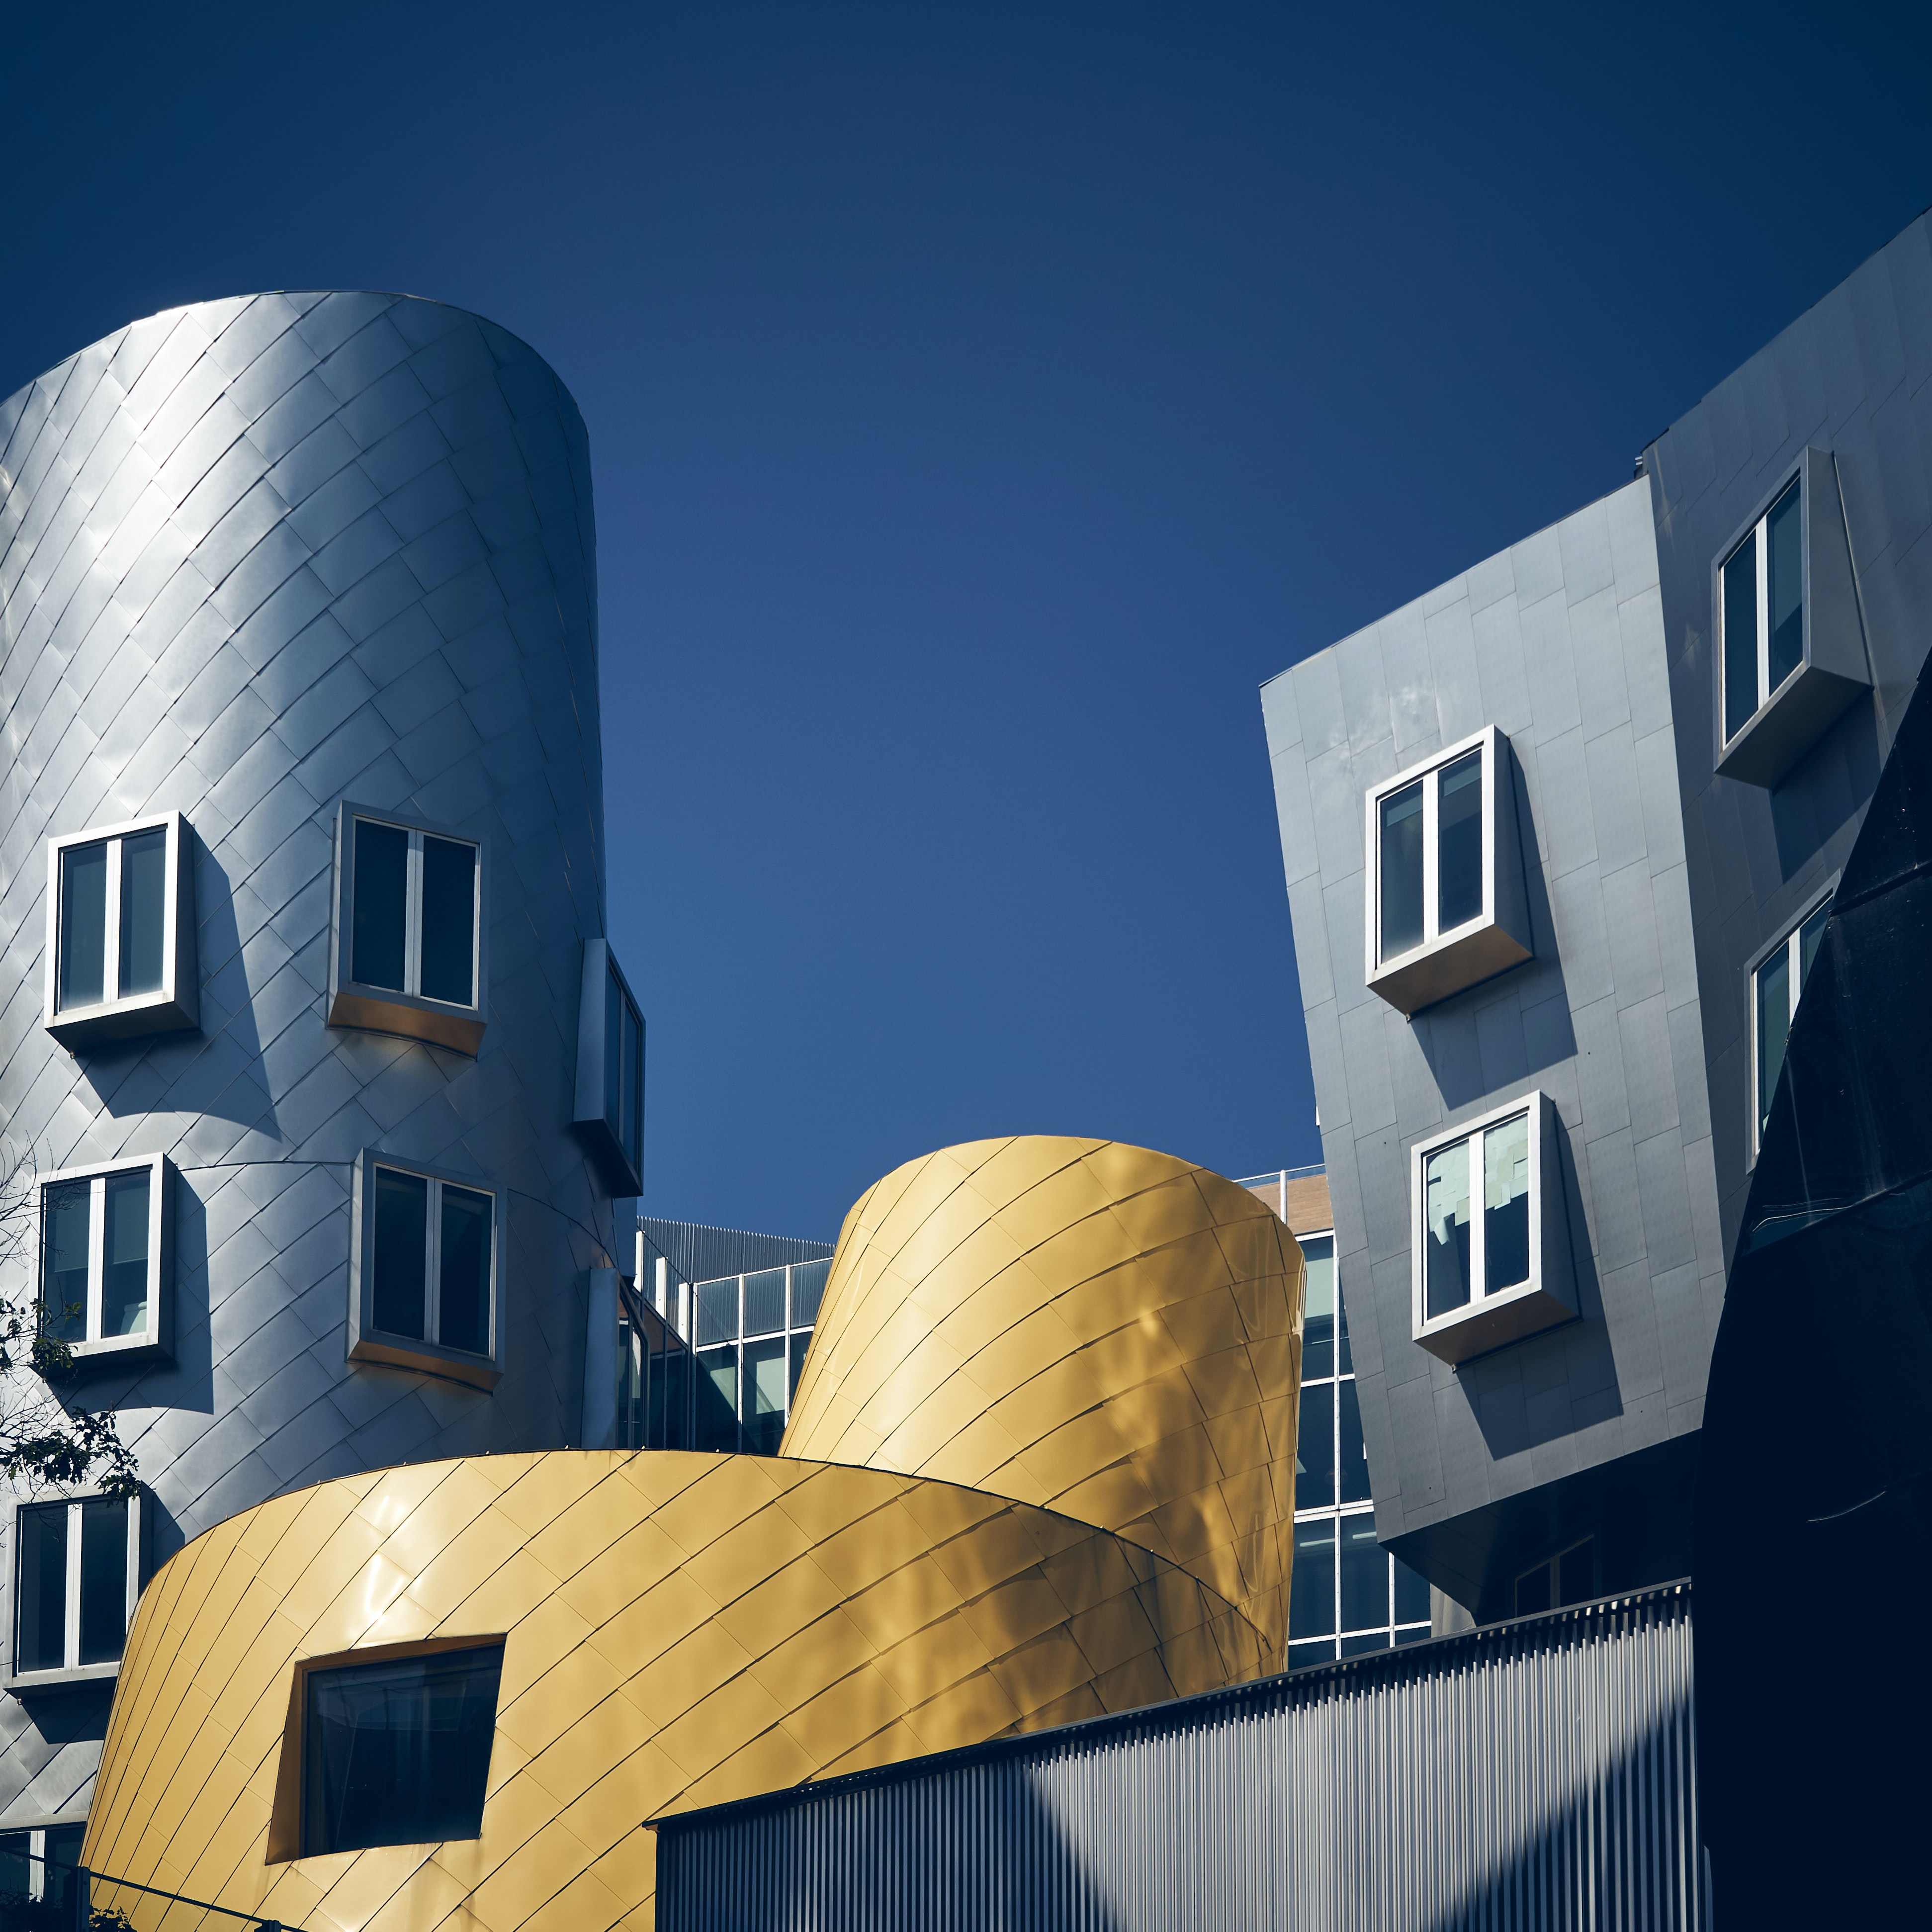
376 1009
1787 725
25 1683
1459 959
132 1018
111 1351
427 1358
1493 1323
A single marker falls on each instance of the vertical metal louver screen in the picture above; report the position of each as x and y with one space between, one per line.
1540 1774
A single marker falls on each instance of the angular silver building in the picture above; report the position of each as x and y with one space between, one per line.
313 1047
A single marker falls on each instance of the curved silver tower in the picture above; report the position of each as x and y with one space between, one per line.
300 588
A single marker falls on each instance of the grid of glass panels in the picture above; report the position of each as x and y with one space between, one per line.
1348 1594
750 1333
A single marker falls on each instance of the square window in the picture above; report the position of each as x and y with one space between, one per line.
78 1568
1445 901
609 1112
394 1751
120 941
106 1246
408 950
1776 981
1791 653
1489 1245
426 1274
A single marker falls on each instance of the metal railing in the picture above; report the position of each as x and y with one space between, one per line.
61 1898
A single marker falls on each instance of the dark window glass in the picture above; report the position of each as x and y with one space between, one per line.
83 926
1774 1023
1810 937
764 1301
1315 1448
1445 1230
800 1343
762 1396
123 1281
463 1309
1506 1204
1365 1580
808 1291
654 1421
1740 600
17 1869
144 876
1459 842
40 1632
63 1855
1576 1574
630 1385
67 1225
1345 1359
1311 1593
1402 870
401 1251
1360 1646
717 1310
1301 1654
1417 1636
1532 1590
677 1429
1318 1323
1784 585
1412 1595
379 924
398 1753
1351 1471
449 921
717 1398
103 1579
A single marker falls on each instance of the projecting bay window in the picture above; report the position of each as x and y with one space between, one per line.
1490 1249
407 952
1776 983
1790 654
1446 906
120 933
106 1245
78 1568
426 1289
609 1115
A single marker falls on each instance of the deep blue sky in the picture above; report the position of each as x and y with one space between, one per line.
984 401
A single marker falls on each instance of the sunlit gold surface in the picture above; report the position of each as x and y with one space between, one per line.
1093 1327
683 1629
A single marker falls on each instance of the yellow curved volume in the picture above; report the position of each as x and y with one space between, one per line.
1072 1368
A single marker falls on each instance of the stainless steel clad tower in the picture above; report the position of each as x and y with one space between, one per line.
302 844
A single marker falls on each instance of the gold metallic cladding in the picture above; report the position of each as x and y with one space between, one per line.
1096 1328
683 1629
1007 1326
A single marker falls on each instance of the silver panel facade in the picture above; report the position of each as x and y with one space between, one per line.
1538 1776
257 556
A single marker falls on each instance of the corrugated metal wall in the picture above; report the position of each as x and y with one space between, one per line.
1531 1775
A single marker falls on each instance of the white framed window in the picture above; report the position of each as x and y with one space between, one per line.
408 952
1445 903
1776 981
609 1115
1568 1577
38 1862
426 1270
77 1568
106 1254
1490 1246
1790 652
120 932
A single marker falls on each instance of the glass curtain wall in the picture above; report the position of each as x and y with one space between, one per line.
1348 1594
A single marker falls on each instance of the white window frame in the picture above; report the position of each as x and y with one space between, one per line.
590 1115
1498 937
425 1354
351 1003
1788 945
140 1533
174 1006
1548 1298
156 1342
1833 670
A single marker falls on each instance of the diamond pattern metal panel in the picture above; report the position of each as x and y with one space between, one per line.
257 555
